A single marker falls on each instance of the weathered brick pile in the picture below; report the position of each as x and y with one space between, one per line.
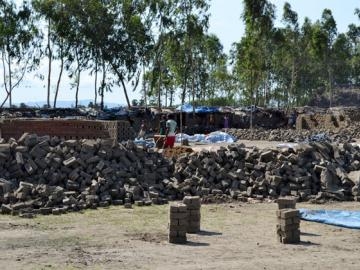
312 171
42 174
46 174
178 223
292 135
193 205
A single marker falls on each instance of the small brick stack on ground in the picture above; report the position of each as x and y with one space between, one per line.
288 227
178 223
286 203
193 205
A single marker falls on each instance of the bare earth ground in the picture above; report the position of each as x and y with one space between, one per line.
234 236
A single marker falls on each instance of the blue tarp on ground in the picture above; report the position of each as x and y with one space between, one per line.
213 137
347 219
187 108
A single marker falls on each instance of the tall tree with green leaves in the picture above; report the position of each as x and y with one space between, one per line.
323 38
251 54
18 44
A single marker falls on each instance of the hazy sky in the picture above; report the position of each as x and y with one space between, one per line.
225 22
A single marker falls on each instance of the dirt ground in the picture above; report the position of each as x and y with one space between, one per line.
233 236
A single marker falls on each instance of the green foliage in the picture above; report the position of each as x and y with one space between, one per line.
167 44
220 101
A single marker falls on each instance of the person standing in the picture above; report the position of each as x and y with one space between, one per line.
162 125
226 122
171 126
142 131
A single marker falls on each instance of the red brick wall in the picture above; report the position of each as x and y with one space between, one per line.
67 129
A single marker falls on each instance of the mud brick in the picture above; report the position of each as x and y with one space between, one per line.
289 213
288 221
127 200
18 206
177 240
107 170
41 163
26 215
30 167
70 161
147 203
191 199
177 233
93 159
178 222
195 218
74 175
289 228
37 152
104 204
194 206
286 203
45 210
100 165
117 202
194 213
177 227
5 185
155 201
6 209
193 229
194 223
178 208
178 215
296 220
19 158
139 203
128 205
56 211
295 234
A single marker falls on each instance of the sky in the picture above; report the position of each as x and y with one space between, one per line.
225 22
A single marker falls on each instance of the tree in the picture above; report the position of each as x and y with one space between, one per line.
18 43
252 54
323 38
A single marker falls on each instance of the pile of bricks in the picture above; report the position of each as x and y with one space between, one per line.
288 227
193 205
178 220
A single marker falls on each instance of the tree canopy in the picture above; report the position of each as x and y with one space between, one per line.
163 50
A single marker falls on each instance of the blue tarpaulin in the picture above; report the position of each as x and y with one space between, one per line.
347 219
187 108
213 137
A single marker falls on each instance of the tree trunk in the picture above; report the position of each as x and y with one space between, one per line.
125 92
102 88
10 82
144 86
5 83
120 76
78 72
159 86
59 78
96 75
330 86
49 65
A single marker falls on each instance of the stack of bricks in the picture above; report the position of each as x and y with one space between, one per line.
193 205
178 223
286 203
288 227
